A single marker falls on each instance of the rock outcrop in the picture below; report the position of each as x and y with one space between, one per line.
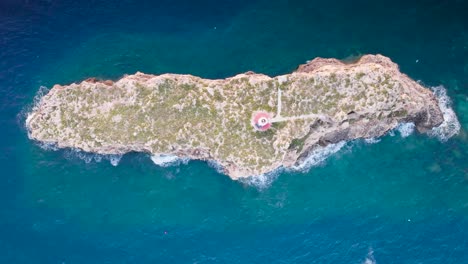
324 102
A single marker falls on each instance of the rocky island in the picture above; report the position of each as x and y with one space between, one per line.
250 124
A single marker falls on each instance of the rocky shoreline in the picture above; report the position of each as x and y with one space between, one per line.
323 102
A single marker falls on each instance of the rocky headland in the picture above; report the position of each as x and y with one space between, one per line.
323 102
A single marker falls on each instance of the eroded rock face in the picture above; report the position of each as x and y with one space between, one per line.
188 116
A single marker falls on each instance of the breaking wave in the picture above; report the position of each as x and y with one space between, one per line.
23 115
48 146
215 165
315 158
405 129
451 126
114 159
88 157
262 181
43 90
318 156
370 257
164 160
372 140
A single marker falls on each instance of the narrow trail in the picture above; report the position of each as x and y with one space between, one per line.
278 110
289 118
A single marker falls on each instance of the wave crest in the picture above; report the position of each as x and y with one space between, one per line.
318 156
405 129
88 157
262 181
24 115
370 257
164 160
43 90
315 158
215 165
372 140
451 126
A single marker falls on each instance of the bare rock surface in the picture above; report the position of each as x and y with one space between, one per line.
324 102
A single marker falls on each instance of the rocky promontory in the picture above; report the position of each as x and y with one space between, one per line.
249 124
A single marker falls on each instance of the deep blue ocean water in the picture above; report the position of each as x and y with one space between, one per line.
401 200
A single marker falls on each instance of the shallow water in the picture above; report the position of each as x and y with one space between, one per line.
399 199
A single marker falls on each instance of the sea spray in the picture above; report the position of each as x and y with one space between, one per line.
48 146
372 140
315 158
164 160
43 90
114 159
88 157
215 165
318 155
370 257
24 116
264 180
405 129
451 126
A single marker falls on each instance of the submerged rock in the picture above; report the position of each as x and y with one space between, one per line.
324 102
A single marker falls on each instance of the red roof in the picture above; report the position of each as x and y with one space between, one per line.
256 119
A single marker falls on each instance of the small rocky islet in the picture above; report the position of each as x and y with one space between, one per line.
249 124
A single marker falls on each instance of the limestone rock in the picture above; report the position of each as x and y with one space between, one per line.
324 102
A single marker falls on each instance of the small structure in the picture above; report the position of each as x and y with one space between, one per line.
261 121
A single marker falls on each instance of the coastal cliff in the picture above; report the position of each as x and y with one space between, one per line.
323 102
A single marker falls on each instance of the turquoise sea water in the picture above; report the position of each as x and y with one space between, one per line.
400 200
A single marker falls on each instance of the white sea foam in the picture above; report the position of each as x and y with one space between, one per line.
215 165
48 146
262 181
24 115
451 126
315 158
43 90
370 257
114 159
405 129
372 140
89 157
318 156
164 160
72 153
